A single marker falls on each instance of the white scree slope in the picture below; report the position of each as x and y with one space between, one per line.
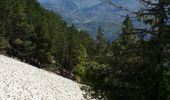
20 81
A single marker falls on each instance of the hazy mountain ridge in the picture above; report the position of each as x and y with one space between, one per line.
89 14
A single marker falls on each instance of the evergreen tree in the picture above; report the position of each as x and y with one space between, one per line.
128 35
127 26
21 37
3 45
155 14
101 42
82 64
100 45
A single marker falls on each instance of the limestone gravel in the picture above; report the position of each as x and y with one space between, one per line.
20 81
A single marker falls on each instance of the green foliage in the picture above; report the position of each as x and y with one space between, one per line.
101 42
3 45
82 64
127 25
100 46
38 36
129 68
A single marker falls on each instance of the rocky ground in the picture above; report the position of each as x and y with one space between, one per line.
20 81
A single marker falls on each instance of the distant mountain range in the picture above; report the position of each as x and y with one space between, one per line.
89 14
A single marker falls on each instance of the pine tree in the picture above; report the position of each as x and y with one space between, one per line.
21 37
125 66
3 37
127 25
155 14
101 42
128 35
3 45
82 64
100 45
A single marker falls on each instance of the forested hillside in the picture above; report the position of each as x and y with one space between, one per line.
135 66
39 37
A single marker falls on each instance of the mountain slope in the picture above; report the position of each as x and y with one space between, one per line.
21 81
38 36
89 14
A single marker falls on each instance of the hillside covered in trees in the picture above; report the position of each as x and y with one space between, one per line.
37 36
135 66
